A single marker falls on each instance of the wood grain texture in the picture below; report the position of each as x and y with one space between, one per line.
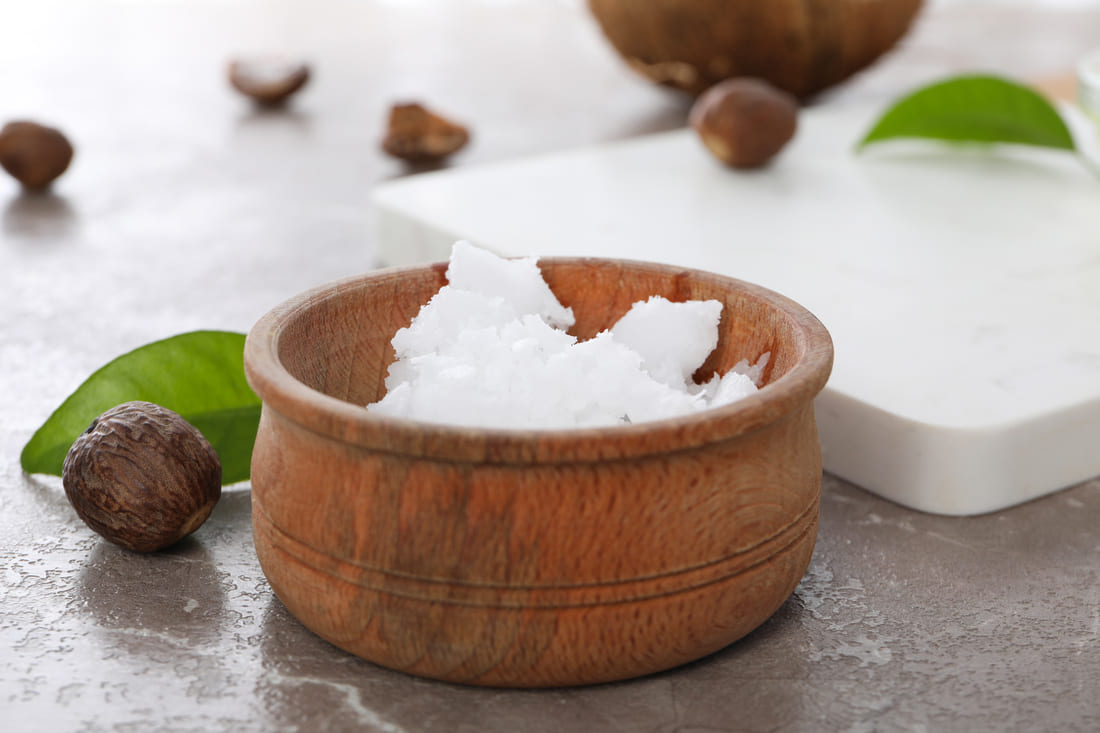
531 558
802 46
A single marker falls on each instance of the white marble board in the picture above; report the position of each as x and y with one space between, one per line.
961 287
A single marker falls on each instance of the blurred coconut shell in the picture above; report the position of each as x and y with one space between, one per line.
802 46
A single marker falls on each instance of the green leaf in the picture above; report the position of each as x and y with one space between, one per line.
199 375
974 109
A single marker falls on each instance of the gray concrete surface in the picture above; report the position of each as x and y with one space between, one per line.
187 208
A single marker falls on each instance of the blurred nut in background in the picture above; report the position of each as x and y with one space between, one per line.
745 122
803 46
269 80
35 155
418 135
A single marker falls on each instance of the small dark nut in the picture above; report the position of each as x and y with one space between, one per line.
418 135
142 476
268 81
35 155
745 122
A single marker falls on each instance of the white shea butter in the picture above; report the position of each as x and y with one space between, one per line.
490 350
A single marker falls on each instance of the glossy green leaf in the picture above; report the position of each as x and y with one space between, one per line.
974 109
199 375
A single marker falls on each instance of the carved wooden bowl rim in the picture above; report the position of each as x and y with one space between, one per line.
351 423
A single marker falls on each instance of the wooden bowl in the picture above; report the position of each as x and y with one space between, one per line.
803 46
541 557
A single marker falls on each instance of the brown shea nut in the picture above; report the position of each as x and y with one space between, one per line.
142 476
268 80
745 122
35 155
418 135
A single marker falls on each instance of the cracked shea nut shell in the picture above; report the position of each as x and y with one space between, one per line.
268 81
745 122
35 155
142 476
419 135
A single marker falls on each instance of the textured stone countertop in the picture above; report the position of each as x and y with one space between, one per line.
187 208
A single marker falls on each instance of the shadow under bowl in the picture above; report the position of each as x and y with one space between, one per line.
531 558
